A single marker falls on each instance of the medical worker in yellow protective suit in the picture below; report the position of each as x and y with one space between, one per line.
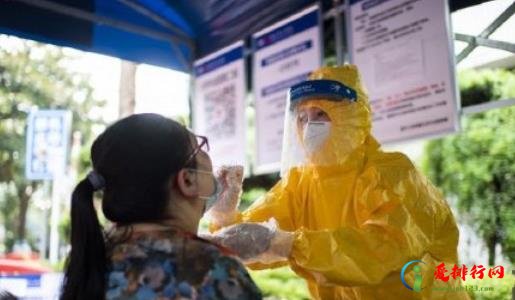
349 215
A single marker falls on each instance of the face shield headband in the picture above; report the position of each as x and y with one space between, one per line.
322 89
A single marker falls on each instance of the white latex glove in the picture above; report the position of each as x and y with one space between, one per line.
225 210
256 242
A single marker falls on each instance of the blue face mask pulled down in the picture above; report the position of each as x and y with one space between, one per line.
213 198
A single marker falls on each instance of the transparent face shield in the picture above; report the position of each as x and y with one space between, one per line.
308 127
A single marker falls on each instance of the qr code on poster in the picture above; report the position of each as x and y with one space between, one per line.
221 112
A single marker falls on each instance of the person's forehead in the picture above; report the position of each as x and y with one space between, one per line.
310 108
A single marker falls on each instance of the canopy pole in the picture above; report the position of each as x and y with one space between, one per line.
155 17
482 107
102 20
338 32
503 17
180 56
479 41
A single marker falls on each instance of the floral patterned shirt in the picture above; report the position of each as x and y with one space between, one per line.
174 265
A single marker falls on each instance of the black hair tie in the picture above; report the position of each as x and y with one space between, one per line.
97 181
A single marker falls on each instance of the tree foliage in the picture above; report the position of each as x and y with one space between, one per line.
33 76
477 165
280 284
485 85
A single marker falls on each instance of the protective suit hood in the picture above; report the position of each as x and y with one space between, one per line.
338 92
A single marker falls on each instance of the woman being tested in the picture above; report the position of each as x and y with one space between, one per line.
157 181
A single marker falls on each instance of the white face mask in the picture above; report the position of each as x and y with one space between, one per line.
315 134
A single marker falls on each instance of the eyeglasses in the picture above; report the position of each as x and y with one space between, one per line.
203 144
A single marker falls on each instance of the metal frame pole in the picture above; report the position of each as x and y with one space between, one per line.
338 32
503 17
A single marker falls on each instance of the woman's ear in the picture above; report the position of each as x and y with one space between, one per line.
187 183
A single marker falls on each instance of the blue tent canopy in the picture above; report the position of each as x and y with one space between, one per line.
168 33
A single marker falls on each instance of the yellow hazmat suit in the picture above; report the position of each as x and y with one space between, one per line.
359 214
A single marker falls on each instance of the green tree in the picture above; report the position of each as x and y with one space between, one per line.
33 75
280 284
477 165
485 85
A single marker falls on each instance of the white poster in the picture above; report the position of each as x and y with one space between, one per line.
219 104
403 50
32 286
284 54
48 135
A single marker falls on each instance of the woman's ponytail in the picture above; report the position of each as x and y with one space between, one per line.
133 160
85 268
